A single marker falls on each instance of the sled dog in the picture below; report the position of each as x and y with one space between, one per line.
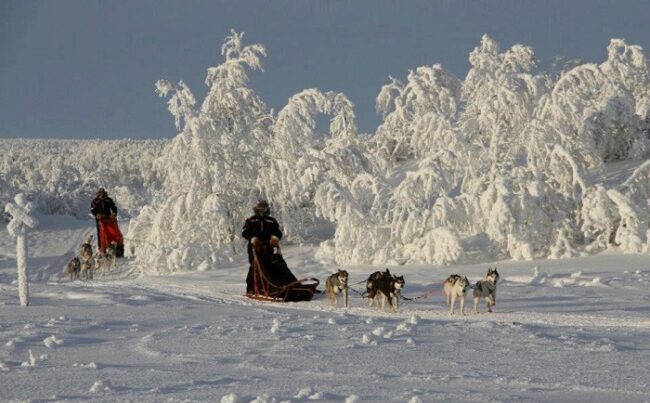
111 254
336 284
372 279
455 286
100 262
73 268
385 285
486 288
105 261
87 269
86 250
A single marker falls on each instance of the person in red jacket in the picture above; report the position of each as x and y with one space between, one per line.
263 234
105 212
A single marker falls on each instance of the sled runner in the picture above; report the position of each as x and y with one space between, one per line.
110 232
278 284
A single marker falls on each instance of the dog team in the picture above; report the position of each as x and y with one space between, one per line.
87 263
388 287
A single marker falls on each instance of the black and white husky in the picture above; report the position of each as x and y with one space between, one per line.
385 285
455 286
337 284
487 288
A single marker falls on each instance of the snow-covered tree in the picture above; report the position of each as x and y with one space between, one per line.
500 95
597 110
418 116
209 169
631 235
600 219
637 186
299 160
628 66
63 177
616 131
359 235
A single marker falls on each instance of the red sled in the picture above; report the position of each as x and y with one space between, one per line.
110 232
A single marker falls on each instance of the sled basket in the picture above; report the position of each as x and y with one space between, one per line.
110 232
266 289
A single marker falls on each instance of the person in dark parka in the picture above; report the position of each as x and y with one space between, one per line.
263 234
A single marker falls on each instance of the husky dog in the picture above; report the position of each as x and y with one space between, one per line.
87 269
111 254
105 261
73 268
86 250
374 277
100 262
487 288
337 283
386 285
456 286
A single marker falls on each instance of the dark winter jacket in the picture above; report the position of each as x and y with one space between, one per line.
262 228
105 207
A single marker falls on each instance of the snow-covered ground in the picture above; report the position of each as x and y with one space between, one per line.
572 330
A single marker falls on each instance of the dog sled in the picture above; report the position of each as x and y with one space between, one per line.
109 232
274 282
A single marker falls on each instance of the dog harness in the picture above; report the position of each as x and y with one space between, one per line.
491 287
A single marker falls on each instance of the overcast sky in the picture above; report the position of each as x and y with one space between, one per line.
86 69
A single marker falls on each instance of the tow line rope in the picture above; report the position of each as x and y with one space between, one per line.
363 295
403 298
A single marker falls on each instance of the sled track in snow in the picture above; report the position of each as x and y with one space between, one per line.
436 313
